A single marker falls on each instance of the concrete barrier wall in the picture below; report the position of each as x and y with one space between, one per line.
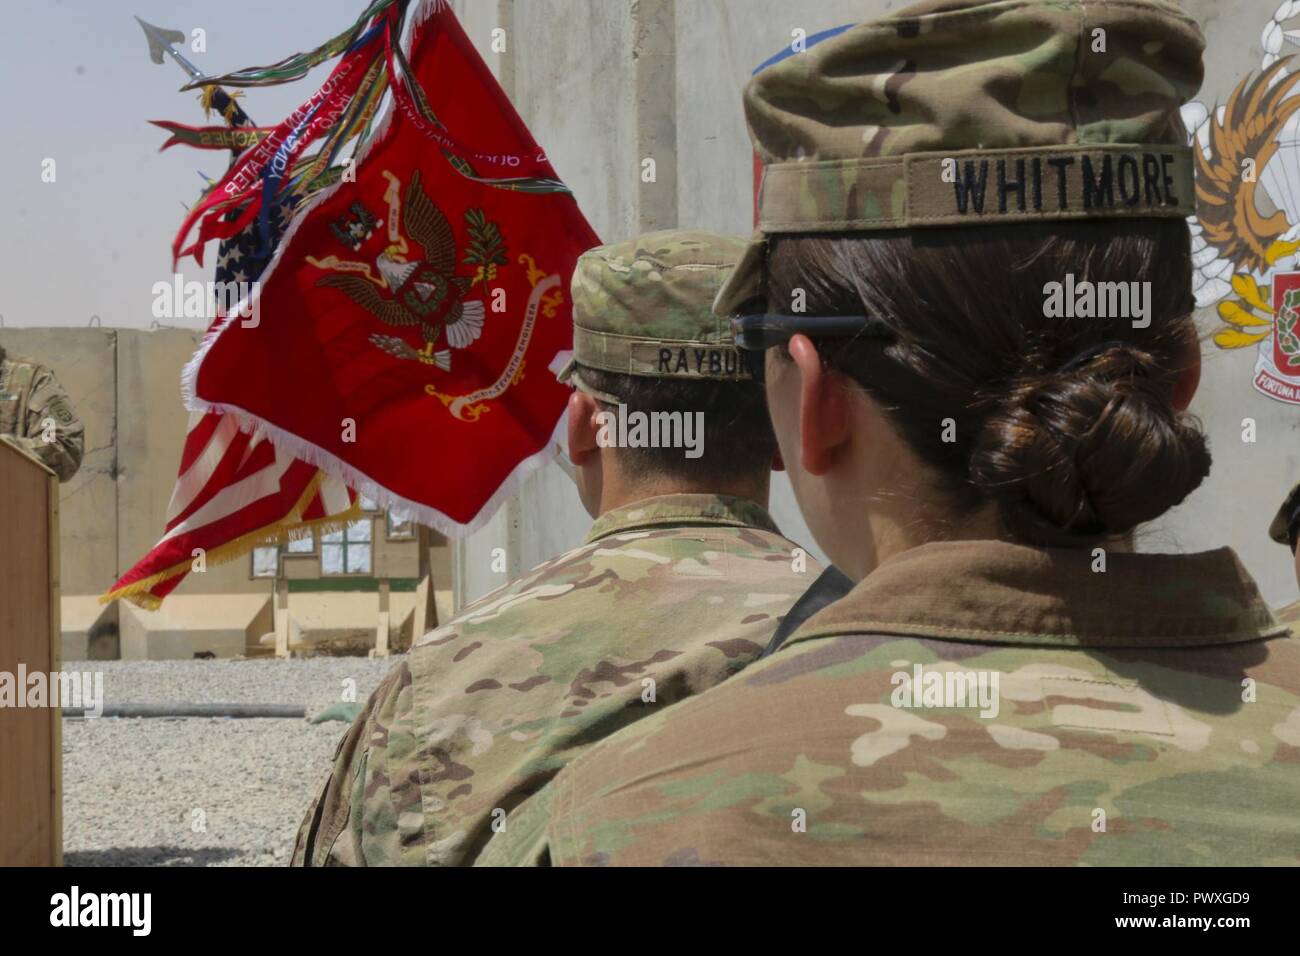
598 84
125 386
83 362
1249 479
554 52
604 85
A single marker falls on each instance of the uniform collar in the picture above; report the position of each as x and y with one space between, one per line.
678 510
994 592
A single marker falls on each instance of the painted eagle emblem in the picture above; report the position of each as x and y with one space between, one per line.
1233 241
422 291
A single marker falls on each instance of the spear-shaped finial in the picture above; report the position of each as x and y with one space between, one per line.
160 42
214 97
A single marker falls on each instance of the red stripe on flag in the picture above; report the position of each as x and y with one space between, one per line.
197 438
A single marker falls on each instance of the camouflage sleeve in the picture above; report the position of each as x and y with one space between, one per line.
339 829
524 840
54 434
598 817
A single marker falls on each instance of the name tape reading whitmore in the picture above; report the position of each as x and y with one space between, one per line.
978 186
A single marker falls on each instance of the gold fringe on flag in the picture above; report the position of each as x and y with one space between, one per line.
289 528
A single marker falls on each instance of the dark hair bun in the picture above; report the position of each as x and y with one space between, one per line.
1090 450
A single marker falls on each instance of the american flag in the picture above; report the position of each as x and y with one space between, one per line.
235 490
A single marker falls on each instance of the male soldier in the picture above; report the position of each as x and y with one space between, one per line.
682 579
35 415
1285 529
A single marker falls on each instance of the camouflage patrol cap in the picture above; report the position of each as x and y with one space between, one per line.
1286 518
643 307
966 112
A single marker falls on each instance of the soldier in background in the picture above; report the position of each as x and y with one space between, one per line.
683 580
1009 682
1285 529
36 416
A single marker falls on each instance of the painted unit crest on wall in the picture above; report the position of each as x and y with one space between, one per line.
1244 237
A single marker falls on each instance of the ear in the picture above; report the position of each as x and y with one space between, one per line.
583 426
1189 379
823 409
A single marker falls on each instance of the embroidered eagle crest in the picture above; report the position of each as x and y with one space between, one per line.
422 292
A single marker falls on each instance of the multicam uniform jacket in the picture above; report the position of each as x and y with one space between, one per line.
1144 714
33 406
666 598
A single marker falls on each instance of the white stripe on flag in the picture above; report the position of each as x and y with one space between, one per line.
201 470
333 494
223 504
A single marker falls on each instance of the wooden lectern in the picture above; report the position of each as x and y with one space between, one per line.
31 742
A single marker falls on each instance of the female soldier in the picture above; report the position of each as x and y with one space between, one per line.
974 264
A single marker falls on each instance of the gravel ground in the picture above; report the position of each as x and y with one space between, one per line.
200 791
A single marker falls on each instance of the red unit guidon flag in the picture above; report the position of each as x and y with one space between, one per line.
408 325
